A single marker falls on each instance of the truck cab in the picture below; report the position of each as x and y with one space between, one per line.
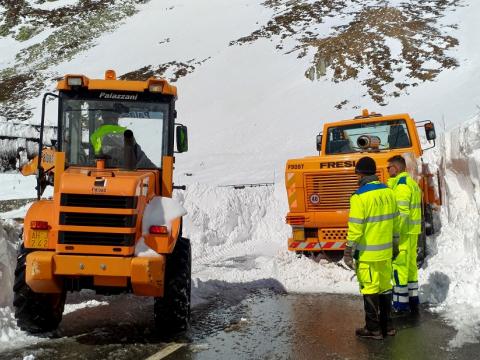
319 187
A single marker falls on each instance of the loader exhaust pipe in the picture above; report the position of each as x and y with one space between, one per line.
129 150
368 142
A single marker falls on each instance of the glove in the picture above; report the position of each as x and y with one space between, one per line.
395 249
348 257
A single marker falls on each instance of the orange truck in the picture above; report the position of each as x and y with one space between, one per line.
112 162
319 187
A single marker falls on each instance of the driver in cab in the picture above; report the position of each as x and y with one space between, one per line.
108 141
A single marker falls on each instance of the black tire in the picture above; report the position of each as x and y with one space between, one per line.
172 311
35 312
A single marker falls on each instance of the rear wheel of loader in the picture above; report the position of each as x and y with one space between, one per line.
172 312
35 312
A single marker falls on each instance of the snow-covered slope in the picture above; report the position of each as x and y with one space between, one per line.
249 106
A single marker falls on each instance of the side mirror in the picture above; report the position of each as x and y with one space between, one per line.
319 142
182 139
430 131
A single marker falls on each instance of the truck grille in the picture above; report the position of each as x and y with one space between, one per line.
92 238
332 190
103 220
99 201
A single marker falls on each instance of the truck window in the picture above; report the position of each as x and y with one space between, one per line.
393 134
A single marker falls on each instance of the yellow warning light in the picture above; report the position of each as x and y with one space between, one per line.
110 75
365 112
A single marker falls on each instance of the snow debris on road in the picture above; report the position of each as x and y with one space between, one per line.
70 308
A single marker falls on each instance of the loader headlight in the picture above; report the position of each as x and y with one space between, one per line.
157 88
75 81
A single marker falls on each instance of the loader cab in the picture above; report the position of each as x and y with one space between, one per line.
92 124
95 116
112 123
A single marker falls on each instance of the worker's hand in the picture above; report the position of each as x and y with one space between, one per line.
348 257
395 249
395 252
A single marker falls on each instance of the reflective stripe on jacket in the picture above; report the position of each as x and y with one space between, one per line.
409 201
372 222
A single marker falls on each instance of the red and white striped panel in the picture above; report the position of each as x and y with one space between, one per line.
323 245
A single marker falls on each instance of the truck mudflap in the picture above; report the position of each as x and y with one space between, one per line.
45 270
308 245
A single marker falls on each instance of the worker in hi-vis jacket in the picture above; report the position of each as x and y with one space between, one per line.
409 202
372 223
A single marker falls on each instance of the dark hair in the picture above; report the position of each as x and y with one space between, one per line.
398 159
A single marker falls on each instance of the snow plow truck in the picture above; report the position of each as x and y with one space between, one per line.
319 187
105 228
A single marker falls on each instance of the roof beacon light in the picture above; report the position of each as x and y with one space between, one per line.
75 81
110 75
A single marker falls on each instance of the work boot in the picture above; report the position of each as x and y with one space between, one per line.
414 306
372 327
386 322
367 334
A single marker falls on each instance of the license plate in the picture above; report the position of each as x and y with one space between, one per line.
39 239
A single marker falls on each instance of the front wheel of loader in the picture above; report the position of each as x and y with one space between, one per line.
35 312
172 311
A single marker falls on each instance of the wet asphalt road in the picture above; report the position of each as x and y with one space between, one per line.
259 324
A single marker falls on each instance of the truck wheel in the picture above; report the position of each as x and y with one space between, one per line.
35 312
172 312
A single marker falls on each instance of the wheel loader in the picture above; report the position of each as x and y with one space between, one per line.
319 187
106 227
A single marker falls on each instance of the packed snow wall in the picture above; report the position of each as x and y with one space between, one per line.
19 143
450 278
9 237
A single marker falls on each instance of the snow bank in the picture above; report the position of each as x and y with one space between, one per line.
451 277
17 186
9 236
239 242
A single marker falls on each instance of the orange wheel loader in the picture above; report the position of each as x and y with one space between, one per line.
112 160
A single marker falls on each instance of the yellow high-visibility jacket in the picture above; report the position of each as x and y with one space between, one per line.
372 222
409 201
